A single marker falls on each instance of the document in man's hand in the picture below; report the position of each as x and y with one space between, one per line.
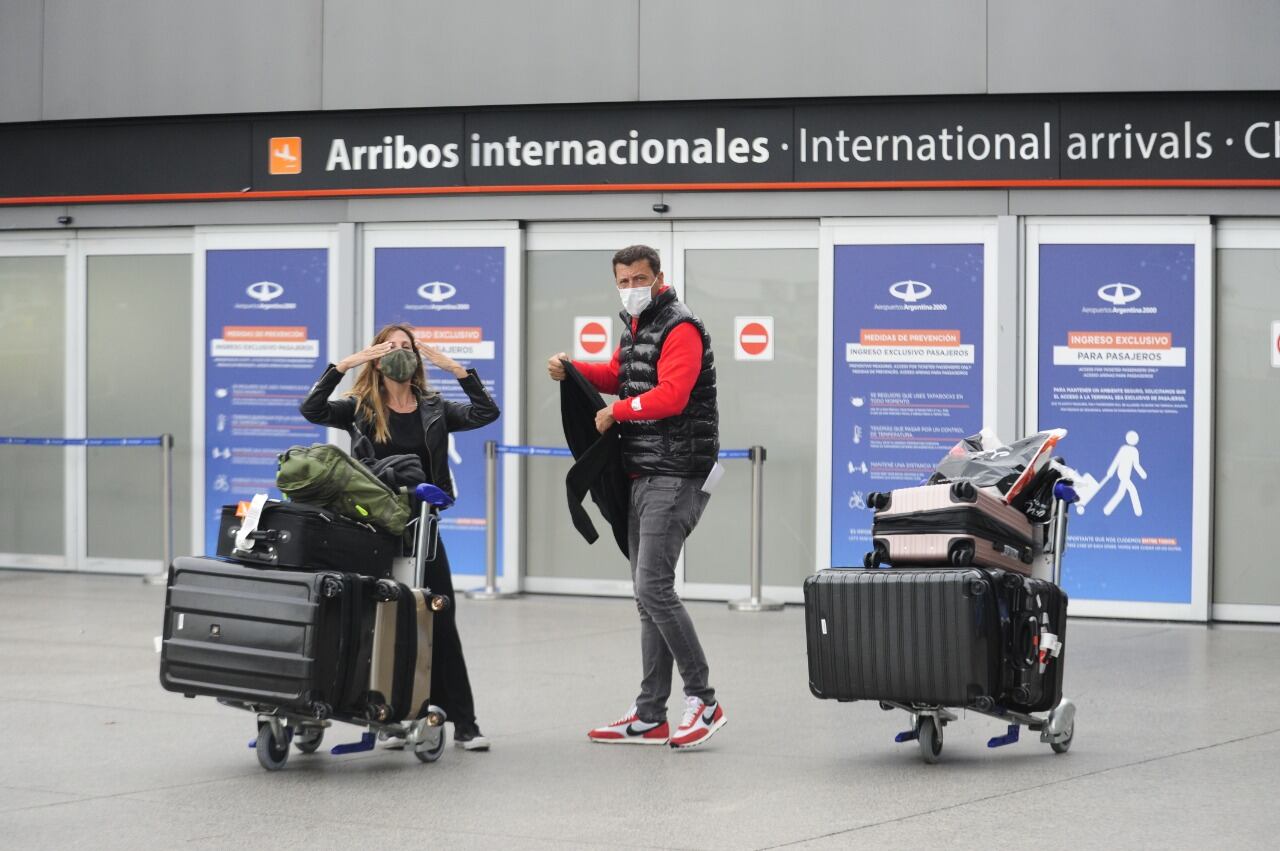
713 478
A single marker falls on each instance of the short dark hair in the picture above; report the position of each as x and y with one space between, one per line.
636 253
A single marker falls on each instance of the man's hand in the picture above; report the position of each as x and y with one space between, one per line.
604 419
554 368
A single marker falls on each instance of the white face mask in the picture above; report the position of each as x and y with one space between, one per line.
635 299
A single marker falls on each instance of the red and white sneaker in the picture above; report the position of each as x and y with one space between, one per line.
701 720
630 730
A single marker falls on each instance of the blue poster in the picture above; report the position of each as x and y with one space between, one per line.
266 328
907 373
1116 355
454 299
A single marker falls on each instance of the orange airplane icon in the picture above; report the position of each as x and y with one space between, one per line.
286 155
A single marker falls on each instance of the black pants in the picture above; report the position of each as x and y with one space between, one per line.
450 686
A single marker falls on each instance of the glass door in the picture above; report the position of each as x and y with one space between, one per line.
755 287
569 290
34 335
100 331
1246 585
136 296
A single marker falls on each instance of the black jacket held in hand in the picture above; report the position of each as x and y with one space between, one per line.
597 466
687 444
439 417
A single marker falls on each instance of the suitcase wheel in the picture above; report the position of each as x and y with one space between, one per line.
878 556
431 752
331 587
878 501
964 492
386 591
308 739
930 739
961 554
272 754
1064 745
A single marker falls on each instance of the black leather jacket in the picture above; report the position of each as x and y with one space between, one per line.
439 417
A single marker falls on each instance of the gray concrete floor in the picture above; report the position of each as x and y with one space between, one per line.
1177 745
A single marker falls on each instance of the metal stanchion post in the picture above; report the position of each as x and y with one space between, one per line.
490 590
166 512
755 603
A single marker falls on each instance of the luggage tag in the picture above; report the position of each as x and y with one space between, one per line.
713 478
250 524
1050 647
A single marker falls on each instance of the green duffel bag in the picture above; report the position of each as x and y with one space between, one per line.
326 476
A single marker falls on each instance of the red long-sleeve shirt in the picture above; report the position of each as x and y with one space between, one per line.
679 363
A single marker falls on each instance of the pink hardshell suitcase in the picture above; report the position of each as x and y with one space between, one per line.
948 524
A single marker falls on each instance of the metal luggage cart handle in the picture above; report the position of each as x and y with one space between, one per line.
434 500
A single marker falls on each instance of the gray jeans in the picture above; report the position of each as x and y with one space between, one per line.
664 510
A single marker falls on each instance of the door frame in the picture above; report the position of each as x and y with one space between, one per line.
905 231
1239 234
1193 230
498 234
100 244
739 235
247 237
585 236
75 248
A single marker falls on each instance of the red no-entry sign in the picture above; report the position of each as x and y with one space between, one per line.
591 338
753 336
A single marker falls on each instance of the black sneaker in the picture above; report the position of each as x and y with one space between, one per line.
470 738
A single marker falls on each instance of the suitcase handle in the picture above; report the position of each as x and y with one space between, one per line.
1026 640
252 555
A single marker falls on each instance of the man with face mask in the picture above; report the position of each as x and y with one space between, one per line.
664 374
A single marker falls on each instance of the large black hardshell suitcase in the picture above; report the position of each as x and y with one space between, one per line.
1036 612
306 537
287 639
910 636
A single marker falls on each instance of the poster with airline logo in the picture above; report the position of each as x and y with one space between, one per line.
907 372
266 321
454 299
1116 355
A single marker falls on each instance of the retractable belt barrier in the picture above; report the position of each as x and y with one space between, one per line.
492 449
164 441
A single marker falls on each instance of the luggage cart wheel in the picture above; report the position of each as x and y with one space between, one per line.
1065 745
308 739
430 752
272 754
930 736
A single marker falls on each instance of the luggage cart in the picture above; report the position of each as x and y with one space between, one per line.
279 728
1057 728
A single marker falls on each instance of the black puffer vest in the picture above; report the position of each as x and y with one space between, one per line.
688 443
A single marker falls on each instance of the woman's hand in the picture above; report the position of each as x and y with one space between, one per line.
371 353
441 360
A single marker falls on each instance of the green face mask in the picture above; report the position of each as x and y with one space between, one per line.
399 365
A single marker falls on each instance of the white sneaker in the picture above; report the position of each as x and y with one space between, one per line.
470 740
700 722
630 730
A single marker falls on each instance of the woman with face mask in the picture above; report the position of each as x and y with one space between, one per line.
392 410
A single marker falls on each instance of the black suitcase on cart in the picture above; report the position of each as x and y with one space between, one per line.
305 537
1036 631
288 639
907 636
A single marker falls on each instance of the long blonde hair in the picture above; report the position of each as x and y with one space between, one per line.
369 389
